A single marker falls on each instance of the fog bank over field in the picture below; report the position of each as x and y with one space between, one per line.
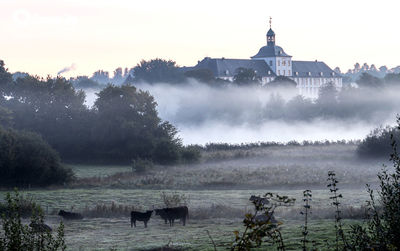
233 114
278 131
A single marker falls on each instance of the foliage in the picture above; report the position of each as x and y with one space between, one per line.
158 71
17 236
368 81
377 143
128 127
383 228
25 159
174 199
282 81
258 231
246 76
201 75
141 165
392 79
190 154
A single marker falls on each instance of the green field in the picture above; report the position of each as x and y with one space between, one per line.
217 192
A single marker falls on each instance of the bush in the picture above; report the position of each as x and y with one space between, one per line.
377 143
27 160
17 236
141 165
190 154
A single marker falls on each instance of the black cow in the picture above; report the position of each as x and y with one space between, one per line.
174 213
163 214
70 216
138 216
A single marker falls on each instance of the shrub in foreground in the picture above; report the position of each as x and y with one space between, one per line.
27 160
17 236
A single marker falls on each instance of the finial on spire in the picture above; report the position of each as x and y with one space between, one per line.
270 22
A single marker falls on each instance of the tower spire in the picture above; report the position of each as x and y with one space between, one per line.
270 22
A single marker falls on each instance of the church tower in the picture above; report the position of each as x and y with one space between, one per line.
275 56
270 34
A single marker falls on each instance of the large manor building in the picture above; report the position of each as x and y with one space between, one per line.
272 61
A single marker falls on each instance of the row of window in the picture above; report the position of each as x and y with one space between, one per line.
284 73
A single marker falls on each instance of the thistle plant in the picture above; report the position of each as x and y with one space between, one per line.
307 197
336 203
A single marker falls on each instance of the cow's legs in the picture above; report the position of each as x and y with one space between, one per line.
184 221
134 223
145 223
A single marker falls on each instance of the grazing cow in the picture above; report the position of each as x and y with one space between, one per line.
259 200
162 213
40 227
174 213
70 216
138 216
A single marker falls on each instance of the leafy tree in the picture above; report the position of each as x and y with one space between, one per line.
300 108
392 79
275 107
5 117
383 227
377 143
25 159
327 100
201 75
52 108
5 76
101 76
368 81
158 71
128 127
282 81
246 76
83 82
5 80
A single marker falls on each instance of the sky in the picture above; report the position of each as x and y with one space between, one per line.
44 36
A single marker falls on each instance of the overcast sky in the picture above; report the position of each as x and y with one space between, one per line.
44 36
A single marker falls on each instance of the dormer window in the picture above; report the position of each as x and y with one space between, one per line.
296 73
226 72
333 74
321 73
269 72
309 73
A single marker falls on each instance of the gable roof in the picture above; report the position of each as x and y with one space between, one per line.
222 67
312 69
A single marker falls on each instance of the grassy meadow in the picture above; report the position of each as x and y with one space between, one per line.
217 192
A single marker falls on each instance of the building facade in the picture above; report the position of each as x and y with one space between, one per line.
272 61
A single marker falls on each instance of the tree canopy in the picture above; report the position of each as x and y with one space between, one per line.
158 71
246 76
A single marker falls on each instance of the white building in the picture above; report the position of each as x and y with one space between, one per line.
272 61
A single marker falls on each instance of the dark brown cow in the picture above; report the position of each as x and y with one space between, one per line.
173 213
139 216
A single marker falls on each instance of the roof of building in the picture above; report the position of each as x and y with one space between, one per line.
270 32
312 69
270 51
222 67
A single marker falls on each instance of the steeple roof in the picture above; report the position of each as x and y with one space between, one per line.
270 32
270 51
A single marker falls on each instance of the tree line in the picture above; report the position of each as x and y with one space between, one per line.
123 125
